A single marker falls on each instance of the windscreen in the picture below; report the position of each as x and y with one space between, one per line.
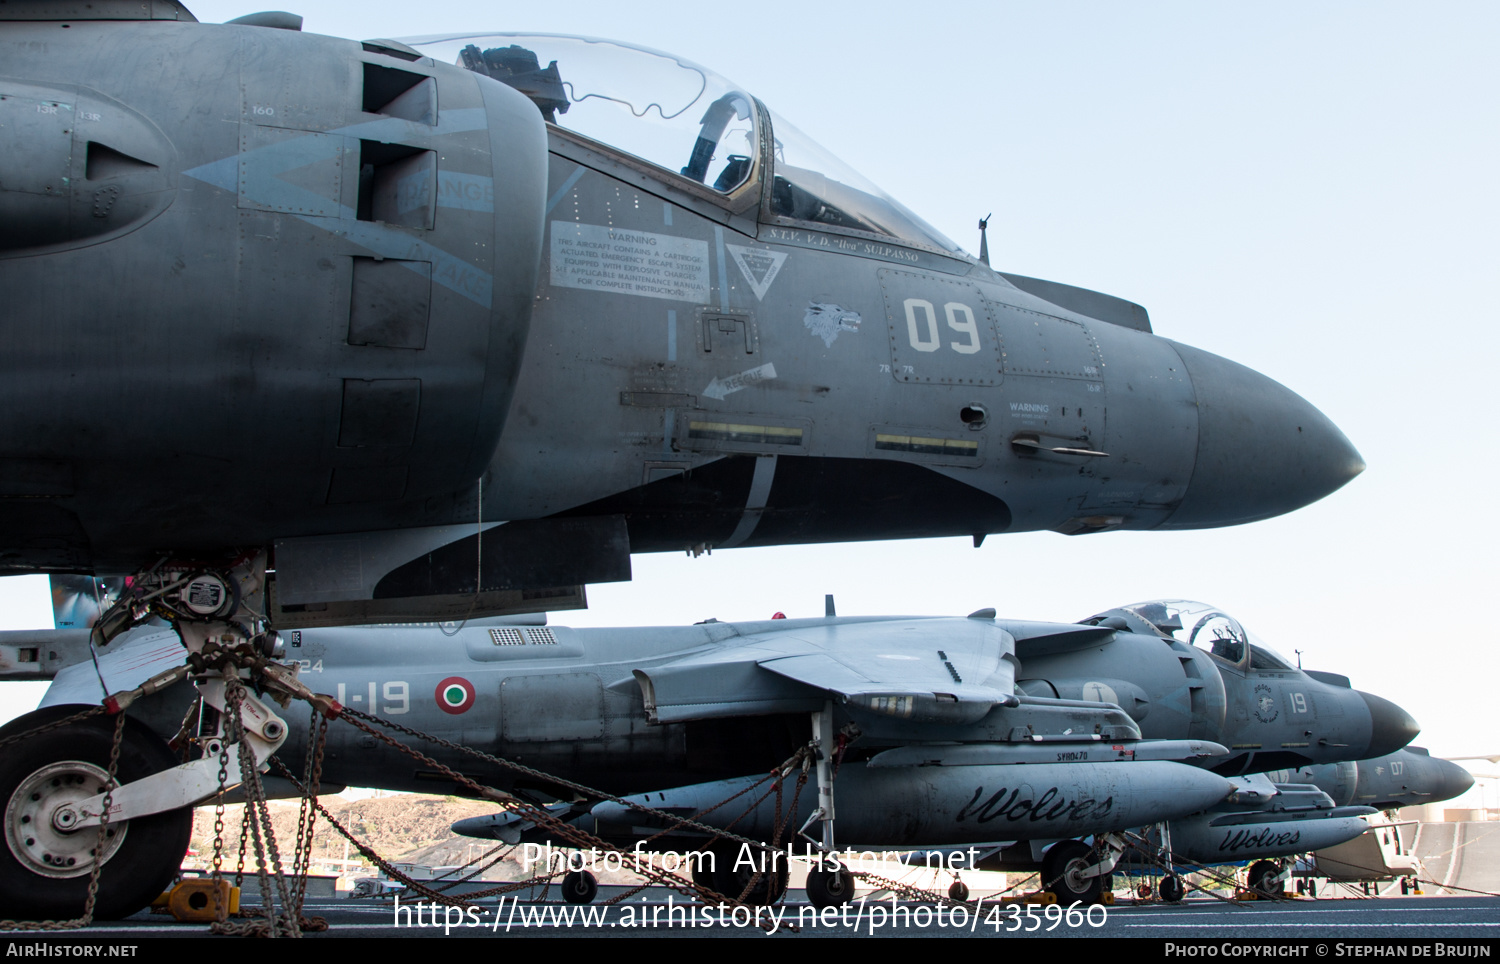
813 185
1197 624
684 118
655 106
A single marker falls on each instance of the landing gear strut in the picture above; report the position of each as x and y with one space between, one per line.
826 888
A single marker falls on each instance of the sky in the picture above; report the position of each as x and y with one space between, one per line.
1308 189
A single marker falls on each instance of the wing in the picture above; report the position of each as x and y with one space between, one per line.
923 670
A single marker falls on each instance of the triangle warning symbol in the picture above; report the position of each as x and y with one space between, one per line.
759 267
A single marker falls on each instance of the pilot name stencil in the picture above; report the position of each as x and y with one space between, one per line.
810 239
595 257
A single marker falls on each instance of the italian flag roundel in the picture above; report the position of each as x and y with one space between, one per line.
455 695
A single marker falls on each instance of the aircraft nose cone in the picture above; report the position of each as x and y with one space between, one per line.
1262 449
1452 781
1391 727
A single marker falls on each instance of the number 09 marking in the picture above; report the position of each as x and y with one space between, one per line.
932 340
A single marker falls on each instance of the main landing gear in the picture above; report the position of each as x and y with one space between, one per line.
1075 871
1268 878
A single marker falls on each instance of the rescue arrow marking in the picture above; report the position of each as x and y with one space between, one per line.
719 388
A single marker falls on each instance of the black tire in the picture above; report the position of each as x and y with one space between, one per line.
579 887
830 888
1171 889
1261 873
143 855
958 890
1060 872
731 880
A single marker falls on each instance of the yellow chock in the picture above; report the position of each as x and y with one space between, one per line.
1107 898
192 899
1042 897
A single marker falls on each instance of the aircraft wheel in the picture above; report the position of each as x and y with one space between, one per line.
1061 872
44 872
1261 875
579 887
1171 889
958 890
830 888
733 873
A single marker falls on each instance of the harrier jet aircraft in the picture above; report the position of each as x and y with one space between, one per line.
455 326
945 737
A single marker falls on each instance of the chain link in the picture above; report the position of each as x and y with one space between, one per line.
37 731
221 912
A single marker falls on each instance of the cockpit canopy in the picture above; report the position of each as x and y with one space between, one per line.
691 123
1197 624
